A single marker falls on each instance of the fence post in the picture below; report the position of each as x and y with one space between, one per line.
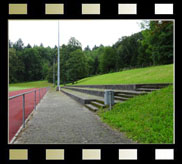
35 101
23 110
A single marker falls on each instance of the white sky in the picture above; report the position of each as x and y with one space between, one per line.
88 32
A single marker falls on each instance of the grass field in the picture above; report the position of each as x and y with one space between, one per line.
146 118
26 85
154 74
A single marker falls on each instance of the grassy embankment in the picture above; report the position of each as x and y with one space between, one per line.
146 118
154 74
26 85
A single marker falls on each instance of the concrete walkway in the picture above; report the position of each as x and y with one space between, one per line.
61 120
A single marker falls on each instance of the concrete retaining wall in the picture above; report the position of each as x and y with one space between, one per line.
120 87
123 86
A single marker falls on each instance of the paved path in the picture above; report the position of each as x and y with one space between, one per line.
61 120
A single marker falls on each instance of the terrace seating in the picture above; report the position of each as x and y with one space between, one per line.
92 96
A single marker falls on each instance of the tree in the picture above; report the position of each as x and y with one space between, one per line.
16 67
108 60
127 50
32 62
29 63
77 66
93 60
65 55
143 58
87 48
74 44
28 46
41 45
158 40
50 73
95 47
19 45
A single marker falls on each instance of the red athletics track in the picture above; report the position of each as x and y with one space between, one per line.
16 108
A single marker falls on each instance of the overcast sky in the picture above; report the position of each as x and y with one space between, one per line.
88 32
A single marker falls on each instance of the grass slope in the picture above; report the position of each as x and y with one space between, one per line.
154 74
146 118
26 85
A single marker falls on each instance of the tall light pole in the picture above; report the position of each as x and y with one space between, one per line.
58 72
53 71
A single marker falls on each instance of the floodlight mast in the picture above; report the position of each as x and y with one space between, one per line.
54 71
58 72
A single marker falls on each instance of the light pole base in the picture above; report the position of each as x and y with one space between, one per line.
58 88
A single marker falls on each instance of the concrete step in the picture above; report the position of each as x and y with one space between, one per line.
83 95
100 92
146 89
120 95
100 101
97 104
91 107
130 93
90 91
120 98
153 86
117 86
124 95
80 97
84 98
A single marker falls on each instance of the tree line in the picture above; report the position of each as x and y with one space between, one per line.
152 46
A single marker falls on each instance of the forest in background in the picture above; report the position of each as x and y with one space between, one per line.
152 46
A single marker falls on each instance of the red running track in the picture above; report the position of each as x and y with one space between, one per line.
16 108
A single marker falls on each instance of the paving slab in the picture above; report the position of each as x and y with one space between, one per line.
61 120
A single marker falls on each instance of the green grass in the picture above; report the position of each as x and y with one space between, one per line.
144 119
26 85
154 74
